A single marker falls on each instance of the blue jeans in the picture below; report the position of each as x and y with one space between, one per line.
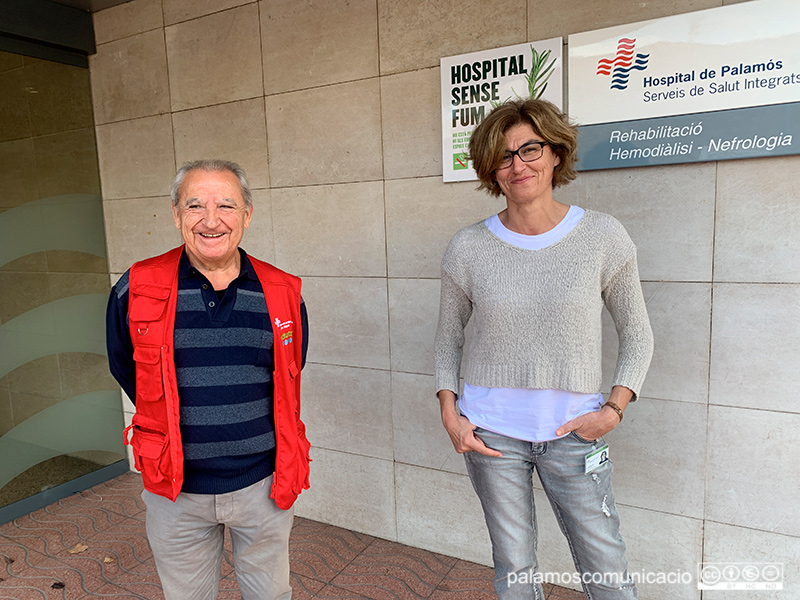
583 505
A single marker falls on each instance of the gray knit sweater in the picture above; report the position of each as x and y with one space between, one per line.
537 313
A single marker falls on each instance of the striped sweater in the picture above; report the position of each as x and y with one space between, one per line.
224 363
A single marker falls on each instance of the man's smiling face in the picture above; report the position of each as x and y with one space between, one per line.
212 217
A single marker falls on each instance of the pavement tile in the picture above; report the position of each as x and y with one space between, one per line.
463 595
320 551
332 592
50 579
467 576
121 495
304 588
17 555
395 571
327 562
53 533
560 593
120 593
151 589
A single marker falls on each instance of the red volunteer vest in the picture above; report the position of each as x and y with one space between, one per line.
156 438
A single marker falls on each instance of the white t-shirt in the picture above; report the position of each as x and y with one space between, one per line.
527 414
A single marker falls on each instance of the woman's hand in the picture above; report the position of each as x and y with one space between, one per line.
594 425
460 430
591 426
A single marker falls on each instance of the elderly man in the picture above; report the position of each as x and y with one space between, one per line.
210 342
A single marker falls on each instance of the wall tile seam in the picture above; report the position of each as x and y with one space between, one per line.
399 463
675 400
44 135
424 373
33 137
178 111
97 124
340 276
786 535
427 67
46 273
415 70
416 466
203 16
360 454
12 69
345 452
317 87
59 273
269 176
317 185
417 177
280 262
700 519
263 103
321 87
408 278
99 45
324 184
382 132
383 142
127 198
409 177
723 282
607 390
325 364
690 281
202 106
753 408
396 520
16 139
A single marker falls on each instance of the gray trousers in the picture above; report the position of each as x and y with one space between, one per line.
187 536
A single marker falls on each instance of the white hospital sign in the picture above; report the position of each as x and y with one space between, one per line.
709 85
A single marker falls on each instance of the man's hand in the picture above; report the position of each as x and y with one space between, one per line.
460 430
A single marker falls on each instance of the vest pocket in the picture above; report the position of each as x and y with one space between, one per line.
148 302
149 442
149 383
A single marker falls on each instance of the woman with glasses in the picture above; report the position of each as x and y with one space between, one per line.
535 278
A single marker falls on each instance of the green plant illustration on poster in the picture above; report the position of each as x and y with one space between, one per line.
539 74
537 77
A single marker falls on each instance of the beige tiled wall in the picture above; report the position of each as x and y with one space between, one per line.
313 44
333 109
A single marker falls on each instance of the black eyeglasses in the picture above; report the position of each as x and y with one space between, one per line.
527 153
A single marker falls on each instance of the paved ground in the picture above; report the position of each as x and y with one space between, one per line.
93 545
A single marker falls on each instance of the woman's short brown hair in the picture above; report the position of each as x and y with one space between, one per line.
487 144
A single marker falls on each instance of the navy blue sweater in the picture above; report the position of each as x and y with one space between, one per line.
224 364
